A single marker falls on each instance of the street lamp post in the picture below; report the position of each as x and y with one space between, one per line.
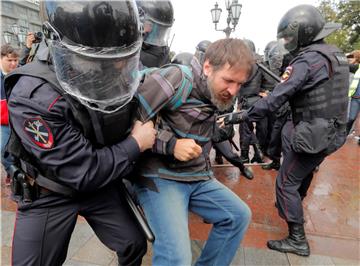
234 10
19 32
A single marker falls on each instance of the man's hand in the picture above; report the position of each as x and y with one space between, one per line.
263 94
30 38
144 134
186 149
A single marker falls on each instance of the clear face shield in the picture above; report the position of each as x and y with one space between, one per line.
155 33
289 36
276 57
100 80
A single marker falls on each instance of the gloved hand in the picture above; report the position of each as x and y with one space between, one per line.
235 118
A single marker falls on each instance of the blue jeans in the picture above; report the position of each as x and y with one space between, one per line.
6 159
166 204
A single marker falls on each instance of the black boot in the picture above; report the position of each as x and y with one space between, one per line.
247 173
275 164
257 155
295 242
244 156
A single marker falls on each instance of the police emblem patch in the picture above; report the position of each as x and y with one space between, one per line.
39 132
287 73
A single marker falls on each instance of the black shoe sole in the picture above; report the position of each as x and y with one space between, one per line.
299 253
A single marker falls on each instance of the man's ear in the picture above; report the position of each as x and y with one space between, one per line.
207 68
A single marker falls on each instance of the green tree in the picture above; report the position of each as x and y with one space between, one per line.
349 16
347 13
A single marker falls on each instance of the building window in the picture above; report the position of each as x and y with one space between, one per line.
7 7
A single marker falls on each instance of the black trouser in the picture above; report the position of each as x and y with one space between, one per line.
43 231
226 150
274 148
247 135
294 178
262 133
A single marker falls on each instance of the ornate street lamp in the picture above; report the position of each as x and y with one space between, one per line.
15 28
8 37
234 11
22 37
20 33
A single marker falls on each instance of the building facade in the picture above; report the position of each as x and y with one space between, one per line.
18 18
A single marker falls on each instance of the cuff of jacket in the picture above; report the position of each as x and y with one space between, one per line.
132 148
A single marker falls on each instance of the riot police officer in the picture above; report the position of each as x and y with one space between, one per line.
157 17
73 133
248 95
278 60
315 83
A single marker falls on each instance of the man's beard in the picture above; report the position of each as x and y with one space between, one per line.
219 103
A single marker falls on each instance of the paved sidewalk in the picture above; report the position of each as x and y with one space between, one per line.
331 212
86 249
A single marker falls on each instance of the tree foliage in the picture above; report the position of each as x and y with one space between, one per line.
346 12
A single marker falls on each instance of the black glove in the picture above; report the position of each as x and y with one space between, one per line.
235 118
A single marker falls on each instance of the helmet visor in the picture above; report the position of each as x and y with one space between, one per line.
276 57
156 34
102 84
289 36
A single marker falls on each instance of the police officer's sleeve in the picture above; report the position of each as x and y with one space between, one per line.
292 81
48 131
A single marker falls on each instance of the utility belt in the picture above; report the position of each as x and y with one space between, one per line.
27 184
23 187
249 100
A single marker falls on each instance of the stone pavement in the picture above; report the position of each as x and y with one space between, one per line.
86 249
331 212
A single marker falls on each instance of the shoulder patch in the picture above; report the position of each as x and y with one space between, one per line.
341 58
287 73
39 132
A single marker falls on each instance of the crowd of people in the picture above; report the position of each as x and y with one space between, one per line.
95 107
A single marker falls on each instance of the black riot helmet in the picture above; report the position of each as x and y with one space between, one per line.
203 45
201 49
182 59
94 46
268 47
276 57
303 25
250 44
157 17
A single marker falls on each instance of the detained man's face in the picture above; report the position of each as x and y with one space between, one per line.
224 84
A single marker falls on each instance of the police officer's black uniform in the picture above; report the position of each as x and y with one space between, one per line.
73 156
248 95
157 18
154 56
316 85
